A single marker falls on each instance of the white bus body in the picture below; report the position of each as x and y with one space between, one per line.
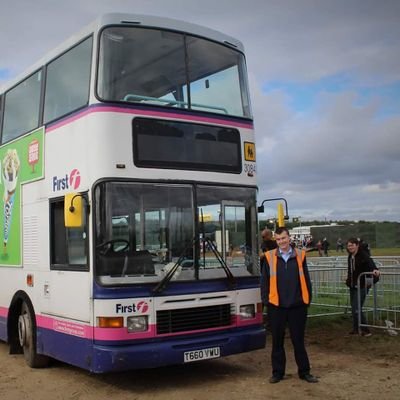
149 149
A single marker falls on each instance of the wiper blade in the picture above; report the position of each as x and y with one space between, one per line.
163 283
167 278
218 256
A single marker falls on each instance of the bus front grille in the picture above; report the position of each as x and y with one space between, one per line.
191 319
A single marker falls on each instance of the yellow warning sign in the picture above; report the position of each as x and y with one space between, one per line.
249 151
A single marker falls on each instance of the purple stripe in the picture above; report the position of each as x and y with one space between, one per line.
103 108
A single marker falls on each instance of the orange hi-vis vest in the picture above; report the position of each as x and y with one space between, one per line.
272 259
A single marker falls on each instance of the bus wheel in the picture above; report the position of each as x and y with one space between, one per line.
27 338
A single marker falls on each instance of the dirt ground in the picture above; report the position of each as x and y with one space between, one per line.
348 367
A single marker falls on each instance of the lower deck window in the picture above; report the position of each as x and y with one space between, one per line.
68 245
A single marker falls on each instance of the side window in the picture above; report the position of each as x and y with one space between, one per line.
1 114
21 108
67 81
69 246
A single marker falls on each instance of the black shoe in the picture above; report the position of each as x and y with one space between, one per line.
309 378
275 379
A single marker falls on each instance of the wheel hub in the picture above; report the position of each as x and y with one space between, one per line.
24 329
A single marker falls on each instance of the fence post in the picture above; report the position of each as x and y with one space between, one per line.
359 310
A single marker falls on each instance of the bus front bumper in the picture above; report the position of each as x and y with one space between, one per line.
170 351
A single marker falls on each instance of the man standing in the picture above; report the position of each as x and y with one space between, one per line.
325 246
286 290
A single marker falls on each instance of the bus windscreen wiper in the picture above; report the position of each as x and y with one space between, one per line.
218 256
163 283
167 278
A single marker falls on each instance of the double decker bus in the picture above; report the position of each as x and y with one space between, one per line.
129 220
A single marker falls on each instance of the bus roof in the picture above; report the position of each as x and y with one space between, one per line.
128 20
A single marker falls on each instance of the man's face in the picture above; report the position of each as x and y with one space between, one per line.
283 241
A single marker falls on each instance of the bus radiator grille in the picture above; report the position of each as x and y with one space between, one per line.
191 319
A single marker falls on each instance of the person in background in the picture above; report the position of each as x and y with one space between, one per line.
358 261
339 245
286 291
325 246
268 243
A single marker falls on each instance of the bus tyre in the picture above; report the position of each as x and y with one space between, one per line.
27 338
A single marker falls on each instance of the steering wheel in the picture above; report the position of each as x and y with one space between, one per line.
113 245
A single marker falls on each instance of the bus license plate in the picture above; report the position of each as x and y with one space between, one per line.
204 354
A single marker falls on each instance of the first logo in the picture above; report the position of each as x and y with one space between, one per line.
73 181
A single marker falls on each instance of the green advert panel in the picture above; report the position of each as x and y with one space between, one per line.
22 161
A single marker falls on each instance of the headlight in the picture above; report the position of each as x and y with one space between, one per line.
137 324
247 311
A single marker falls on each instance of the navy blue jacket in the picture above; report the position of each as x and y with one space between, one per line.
289 289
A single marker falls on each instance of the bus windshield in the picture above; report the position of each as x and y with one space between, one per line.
163 68
143 230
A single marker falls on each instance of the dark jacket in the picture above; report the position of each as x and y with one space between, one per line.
289 290
362 263
268 245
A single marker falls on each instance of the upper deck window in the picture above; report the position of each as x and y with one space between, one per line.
67 82
171 69
21 108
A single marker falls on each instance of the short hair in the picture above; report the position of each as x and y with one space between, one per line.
282 229
353 240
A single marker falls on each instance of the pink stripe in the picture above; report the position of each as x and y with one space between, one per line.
114 334
3 312
258 319
69 120
198 331
67 327
95 109
122 333
173 115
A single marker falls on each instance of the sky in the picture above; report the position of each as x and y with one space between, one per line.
325 89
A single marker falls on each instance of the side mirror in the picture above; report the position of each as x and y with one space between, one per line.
73 210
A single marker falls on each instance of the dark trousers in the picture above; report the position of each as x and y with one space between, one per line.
296 319
354 306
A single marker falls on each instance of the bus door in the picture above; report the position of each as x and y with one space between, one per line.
236 245
224 225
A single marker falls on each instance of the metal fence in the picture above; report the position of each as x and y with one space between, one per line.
382 305
331 295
